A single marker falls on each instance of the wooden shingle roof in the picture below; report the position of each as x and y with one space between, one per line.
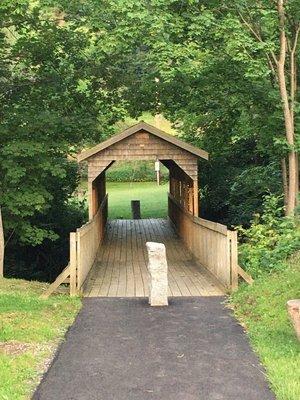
142 126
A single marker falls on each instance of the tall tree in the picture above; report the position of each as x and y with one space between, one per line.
274 27
55 97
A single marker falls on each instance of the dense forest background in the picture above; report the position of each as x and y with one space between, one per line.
224 73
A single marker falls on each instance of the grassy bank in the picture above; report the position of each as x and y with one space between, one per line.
30 330
261 308
153 199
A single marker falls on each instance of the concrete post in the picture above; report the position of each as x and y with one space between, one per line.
158 270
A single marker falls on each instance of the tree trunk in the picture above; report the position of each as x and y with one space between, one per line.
287 111
284 182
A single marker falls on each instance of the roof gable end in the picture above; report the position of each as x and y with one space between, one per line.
142 126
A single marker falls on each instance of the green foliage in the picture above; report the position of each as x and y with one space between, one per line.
139 171
54 99
270 240
247 190
46 260
261 309
30 330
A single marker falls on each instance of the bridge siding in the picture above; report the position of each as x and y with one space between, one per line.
121 267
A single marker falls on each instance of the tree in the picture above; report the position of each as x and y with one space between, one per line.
275 28
54 100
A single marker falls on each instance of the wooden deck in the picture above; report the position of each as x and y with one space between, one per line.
121 267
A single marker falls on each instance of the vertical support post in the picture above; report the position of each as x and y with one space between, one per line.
1 246
136 209
73 264
233 259
158 178
157 170
196 199
90 199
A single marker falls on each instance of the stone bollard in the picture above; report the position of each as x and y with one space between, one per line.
158 270
293 307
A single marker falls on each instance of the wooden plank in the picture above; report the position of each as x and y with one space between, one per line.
139 285
58 281
248 278
73 264
124 255
115 270
105 284
130 284
234 259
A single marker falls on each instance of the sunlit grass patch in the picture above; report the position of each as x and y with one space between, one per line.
30 330
261 308
153 198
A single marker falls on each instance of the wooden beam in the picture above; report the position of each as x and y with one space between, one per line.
248 278
1 246
196 199
90 199
58 281
73 264
233 259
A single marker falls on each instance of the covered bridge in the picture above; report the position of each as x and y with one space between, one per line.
108 258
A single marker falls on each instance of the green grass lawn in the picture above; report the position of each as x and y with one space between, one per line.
30 330
153 199
261 308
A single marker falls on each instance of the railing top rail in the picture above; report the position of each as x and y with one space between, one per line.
213 226
88 225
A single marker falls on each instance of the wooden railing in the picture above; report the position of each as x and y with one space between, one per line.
212 244
89 238
84 245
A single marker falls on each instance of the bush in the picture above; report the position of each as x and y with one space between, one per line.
135 171
270 240
45 261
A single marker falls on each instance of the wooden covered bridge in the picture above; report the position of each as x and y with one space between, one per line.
108 258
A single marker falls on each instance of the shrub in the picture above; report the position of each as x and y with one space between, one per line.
270 239
136 171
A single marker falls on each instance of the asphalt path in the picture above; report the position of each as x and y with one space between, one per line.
123 349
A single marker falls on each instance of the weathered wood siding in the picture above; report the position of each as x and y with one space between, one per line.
142 146
89 237
212 244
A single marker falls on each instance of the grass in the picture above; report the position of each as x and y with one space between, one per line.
153 199
30 330
261 308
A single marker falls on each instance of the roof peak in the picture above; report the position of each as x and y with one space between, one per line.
142 125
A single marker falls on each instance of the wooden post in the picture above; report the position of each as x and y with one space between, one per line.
232 235
90 199
73 264
158 178
136 209
1 246
196 199
157 169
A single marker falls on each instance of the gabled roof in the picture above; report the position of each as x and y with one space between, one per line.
142 126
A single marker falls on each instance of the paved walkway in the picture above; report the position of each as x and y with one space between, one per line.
121 267
121 349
